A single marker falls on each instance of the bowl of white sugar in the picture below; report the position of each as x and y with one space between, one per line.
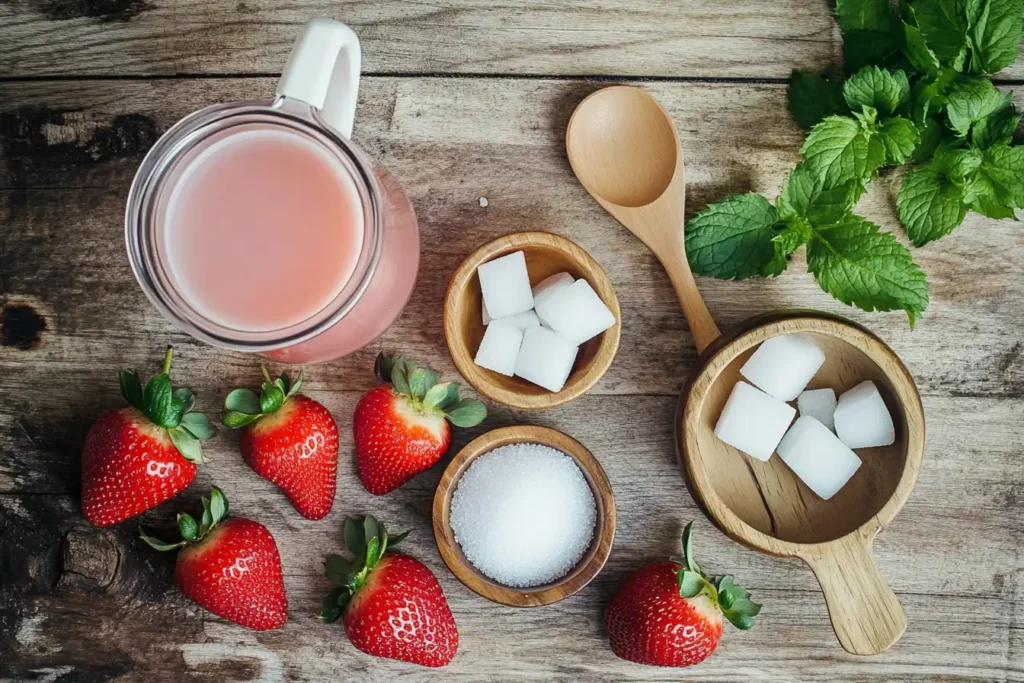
524 516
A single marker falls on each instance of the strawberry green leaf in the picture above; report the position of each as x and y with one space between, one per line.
882 89
157 400
232 419
861 266
468 412
382 368
187 526
355 540
243 401
442 396
400 376
218 505
373 552
198 425
292 387
131 388
995 33
841 149
207 521
157 544
736 604
332 610
813 97
371 529
187 398
339 569
272 398
186 444
732 239
691 584
690 563
395 540
421 380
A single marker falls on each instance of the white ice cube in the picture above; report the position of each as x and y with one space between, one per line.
862 420
505 284
499 348
550 284
521 321
753 422
576 312
486 315
545 358
782 366
819 404
818 457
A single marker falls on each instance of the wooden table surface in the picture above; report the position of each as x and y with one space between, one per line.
463 99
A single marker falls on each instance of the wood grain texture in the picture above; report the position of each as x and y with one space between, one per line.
588 567
765 505
93 604
546 254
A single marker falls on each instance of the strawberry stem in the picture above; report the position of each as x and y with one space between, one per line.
167 360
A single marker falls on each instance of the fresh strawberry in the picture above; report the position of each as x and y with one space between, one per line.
393 606
670 613
229 566
135 458
401 427
288 439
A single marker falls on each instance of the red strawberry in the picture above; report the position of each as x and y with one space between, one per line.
393 606
288 439
135 458
232 568
670 613
401 428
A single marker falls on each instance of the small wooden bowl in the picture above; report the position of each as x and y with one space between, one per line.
765 505
546 254
589 565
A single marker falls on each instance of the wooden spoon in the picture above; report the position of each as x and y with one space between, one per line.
624 148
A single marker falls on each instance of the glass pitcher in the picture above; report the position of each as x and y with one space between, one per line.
260 226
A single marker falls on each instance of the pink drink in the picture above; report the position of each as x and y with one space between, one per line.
262 230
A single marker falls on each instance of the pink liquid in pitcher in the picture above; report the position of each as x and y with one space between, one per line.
262 230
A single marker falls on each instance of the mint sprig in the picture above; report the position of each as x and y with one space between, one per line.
917 94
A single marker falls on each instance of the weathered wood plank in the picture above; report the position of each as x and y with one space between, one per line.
451 142
692 38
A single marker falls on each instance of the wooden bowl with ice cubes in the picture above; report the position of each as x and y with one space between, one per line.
563 341
818 494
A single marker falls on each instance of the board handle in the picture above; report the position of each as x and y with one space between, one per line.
866 615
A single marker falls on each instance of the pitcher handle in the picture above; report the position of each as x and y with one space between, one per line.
323 71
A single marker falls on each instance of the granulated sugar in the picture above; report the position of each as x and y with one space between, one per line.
523 514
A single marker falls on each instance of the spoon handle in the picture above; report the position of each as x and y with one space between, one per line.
702 326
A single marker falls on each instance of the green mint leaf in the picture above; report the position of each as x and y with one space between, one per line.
1003 168
784 244
812 98
932 135
997 128
841 149
872 32
861 266
468 412
958 163
187 445
131 388
900 137
879 88
995 33
944 26
916 49
158 399
732 239
928 95
971 100
931 205
806 195
243 401
331 610
198 425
